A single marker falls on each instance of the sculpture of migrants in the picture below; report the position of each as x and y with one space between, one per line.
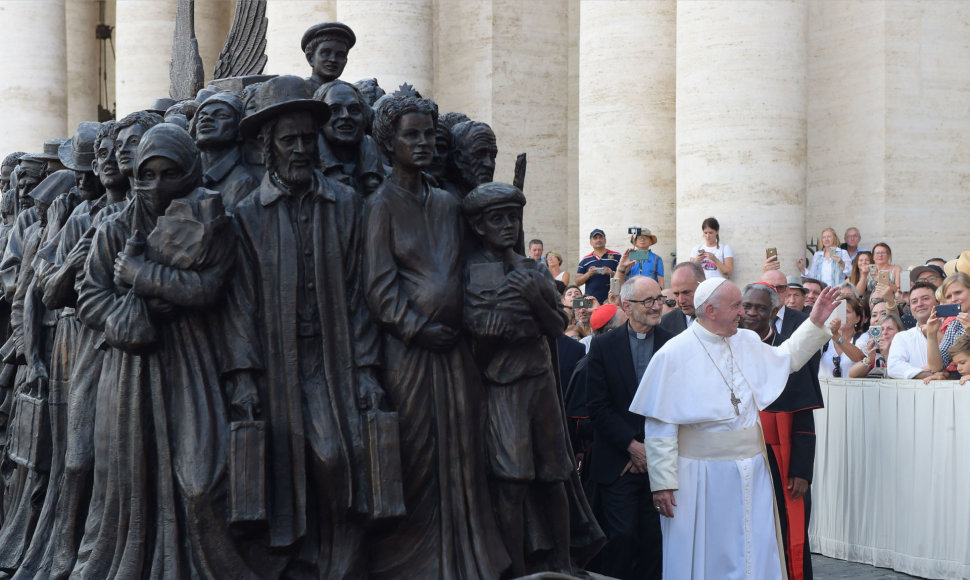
278 333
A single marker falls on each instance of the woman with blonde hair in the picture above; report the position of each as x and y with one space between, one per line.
554 263
831 264
955 290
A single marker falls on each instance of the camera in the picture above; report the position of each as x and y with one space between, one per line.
875 331
634 231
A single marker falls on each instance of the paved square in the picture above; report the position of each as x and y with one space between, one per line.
832 569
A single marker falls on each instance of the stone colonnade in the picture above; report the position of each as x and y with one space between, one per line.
778 118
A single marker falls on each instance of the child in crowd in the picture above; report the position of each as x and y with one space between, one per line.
960 353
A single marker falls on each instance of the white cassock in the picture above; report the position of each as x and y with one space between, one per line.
724 521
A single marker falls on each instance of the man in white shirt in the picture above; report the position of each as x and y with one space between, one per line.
907 354
701 395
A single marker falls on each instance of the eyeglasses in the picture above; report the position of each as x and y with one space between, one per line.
670 302
650 302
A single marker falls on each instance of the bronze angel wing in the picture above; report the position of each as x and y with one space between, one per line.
245 50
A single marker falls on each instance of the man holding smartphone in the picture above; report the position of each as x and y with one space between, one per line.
907 353
597 267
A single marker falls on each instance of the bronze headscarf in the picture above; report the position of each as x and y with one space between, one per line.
174 143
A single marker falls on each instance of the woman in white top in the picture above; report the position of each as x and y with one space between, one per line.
715 258
831 264
847 342
554 263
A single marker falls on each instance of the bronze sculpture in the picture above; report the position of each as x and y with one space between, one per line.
60 292
326 46
347 153
473 152
429 375
298 340
77 154
166 421
216 131
320 351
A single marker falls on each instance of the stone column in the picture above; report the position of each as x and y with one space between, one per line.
627 76
847 129
394 42
741 128
288 20
143 41
927 124
506 63
33 94
83 53
212 21
569 255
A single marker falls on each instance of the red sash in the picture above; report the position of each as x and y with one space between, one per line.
777 429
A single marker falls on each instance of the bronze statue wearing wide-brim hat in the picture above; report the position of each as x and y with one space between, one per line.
283 94
50 149
77 153
335 30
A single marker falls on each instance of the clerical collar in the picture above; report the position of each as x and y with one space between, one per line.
637 335
705 334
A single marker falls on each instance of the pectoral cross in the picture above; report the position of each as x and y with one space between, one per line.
735 401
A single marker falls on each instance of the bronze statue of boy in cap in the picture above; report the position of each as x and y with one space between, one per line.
326 46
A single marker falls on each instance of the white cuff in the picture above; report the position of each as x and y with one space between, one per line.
661 462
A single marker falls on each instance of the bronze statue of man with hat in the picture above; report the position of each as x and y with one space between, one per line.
50 155
326 46
300 265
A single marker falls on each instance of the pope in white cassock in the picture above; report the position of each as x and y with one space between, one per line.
701 395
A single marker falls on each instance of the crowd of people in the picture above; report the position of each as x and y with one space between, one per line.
883 323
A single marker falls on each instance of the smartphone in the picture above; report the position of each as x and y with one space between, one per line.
946 310
771 252
634 231
637 255
884 277
583 303
615 286
904 284
873 269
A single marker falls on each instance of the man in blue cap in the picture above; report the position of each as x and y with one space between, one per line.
597 267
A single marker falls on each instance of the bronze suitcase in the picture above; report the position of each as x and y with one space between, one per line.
29 441
247 471
382 446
